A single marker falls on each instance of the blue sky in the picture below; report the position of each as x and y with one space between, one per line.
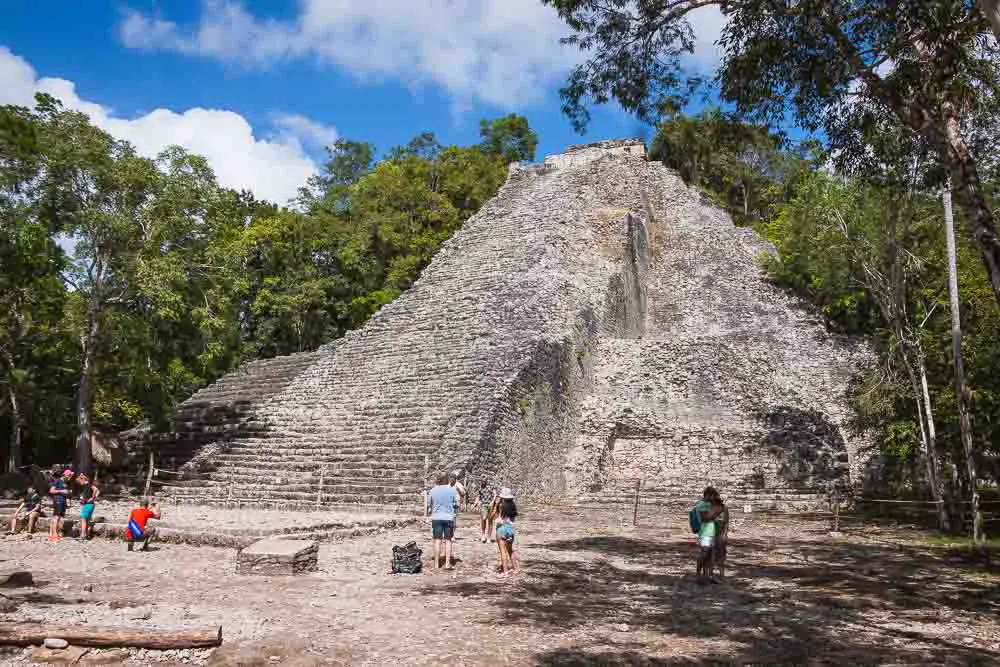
259 87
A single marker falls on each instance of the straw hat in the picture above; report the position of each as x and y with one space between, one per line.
506 494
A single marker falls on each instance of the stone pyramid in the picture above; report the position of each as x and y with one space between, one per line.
595 324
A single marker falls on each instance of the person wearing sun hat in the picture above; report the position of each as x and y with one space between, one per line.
507 513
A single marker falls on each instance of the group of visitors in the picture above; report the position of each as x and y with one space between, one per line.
66 485
496 508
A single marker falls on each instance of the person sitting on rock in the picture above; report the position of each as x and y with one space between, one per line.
30 507
59 492
136 529
443 503
89 493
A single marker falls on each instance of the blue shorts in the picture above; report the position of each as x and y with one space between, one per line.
87 511
505 532
443 530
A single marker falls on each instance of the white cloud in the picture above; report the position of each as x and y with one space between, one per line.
707 24
309 132
271 169
502 52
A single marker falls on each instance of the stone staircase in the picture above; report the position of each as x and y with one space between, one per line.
222 411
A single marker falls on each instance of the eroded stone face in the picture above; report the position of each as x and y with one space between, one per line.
594 324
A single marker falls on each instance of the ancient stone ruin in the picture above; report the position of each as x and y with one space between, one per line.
595 325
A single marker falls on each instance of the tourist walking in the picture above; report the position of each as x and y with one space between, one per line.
59 492
507 513
136 529
30 508
89 493
486 498
443 504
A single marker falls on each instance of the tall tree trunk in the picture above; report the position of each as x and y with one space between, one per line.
933 469
965 177
961 388
83 396
933 464
14 453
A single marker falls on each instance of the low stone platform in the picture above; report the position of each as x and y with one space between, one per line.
278 556
236 528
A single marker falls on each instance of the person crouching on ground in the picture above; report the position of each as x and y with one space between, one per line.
59 492
136 530
487 497
507 511
30 507
443 504
708 510
89 493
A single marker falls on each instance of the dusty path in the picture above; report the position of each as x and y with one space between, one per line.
593 591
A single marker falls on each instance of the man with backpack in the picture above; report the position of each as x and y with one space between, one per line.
702 518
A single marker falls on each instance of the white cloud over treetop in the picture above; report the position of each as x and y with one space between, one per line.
502 52
272 168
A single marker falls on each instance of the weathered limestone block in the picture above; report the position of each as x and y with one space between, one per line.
278 556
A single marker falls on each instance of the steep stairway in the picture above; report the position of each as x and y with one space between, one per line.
219 412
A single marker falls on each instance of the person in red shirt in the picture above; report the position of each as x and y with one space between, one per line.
136 529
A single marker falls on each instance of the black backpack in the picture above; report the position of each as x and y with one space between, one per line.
408 559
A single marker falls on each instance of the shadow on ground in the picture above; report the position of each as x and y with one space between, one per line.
787 602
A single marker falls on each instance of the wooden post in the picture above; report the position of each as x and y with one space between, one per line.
149 474
836 511
635 506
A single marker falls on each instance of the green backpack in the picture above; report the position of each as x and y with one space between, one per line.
694 518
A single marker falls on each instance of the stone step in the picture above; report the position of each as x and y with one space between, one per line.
291 499
265 477
388 468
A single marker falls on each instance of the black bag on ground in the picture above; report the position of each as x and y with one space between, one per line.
408 559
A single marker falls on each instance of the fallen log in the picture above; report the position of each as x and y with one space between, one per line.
20 634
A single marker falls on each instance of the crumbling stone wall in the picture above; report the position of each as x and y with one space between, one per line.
733 383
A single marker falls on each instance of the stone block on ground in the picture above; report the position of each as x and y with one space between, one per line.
66 656
278 556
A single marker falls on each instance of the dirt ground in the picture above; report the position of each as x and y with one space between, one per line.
593 590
